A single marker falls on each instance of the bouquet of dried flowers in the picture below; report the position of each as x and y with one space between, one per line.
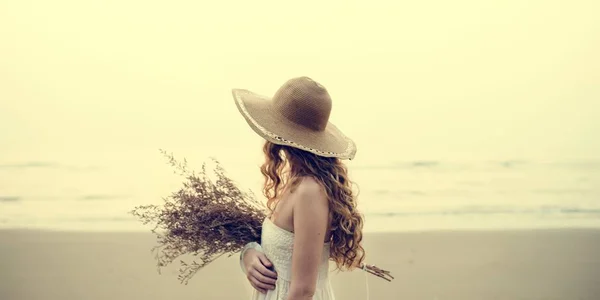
207 218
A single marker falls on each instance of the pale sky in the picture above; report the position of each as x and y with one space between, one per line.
409 79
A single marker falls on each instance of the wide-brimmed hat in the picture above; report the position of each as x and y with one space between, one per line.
296 116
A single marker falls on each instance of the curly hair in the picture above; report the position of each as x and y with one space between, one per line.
285 166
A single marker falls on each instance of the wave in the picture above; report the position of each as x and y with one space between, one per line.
434 164
511 163
544 210
45 165
9 199
102 219
423 163
30 164
102 197
579 165
381 192
403 165
564 191
90 197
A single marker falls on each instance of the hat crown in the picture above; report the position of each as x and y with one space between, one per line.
304 102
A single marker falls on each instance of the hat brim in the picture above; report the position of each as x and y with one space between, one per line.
258 112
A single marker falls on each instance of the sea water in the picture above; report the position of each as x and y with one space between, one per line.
393 196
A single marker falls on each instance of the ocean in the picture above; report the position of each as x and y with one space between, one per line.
393 196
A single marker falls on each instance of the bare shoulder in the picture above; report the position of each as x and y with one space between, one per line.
310 212
309 197
309 190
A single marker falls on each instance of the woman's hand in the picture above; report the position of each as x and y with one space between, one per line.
258 270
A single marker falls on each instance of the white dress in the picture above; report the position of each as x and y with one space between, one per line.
277 244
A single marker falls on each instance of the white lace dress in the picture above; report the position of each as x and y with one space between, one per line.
277 244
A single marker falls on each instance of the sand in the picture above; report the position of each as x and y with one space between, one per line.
467 265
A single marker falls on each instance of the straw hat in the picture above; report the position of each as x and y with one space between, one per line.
296 116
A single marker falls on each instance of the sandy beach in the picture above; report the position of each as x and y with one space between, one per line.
467 265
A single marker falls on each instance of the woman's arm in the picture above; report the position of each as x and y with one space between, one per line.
310 216
249 246
256 266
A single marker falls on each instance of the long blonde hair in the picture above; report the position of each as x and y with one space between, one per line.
284 166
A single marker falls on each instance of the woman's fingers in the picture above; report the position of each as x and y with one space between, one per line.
257 288
264 260
265 272
264 279
260 285
265 265
255 284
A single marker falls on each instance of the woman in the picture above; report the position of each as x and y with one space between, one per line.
313 216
